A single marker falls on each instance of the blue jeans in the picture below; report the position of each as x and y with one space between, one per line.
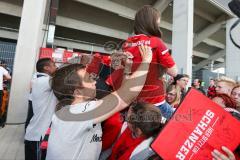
166 110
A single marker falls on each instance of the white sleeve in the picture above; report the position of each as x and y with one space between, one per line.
5 72
45 82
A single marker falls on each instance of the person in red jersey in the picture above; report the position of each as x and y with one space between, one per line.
211 89
147 32
143 123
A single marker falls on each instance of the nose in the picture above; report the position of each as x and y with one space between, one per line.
235 96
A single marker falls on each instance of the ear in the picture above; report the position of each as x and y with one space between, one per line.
138 132
46 68
77 93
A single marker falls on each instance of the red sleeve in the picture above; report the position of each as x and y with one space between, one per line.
163 56
94 65
111 129
115 79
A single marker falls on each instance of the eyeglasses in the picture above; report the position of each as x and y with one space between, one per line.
235 94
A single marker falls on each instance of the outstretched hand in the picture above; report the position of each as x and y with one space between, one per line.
146 53
220 156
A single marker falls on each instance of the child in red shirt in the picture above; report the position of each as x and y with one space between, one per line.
143 121
146 28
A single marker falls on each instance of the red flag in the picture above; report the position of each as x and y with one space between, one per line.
197 128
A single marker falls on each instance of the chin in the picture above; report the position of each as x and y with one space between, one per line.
93 95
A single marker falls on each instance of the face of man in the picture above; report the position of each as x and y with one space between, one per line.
236 95
211 83
223 87
51 68
88 84
196 83
182 83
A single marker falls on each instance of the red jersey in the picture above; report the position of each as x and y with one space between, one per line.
111 129
125 145
153 90
211 91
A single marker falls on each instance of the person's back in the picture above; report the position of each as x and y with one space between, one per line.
146 28
43 106
43 102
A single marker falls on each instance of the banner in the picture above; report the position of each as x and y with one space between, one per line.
60 55
197 128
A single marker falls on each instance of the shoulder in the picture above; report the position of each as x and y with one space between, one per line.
83 107
157 42
91 105
2 69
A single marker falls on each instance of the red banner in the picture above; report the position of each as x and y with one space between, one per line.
60 55
197 128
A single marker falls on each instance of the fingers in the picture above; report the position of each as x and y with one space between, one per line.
146 53
228 152
219 156
141 49
129 55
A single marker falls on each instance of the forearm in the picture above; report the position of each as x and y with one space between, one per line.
130 88
133 84
7 77
121 98
172 71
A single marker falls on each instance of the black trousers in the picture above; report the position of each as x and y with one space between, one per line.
32 150
2 119
1 97
29 114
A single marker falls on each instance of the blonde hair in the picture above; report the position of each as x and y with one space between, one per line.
227 80
178 94
237 86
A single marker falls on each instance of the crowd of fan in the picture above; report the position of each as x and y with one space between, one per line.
96 110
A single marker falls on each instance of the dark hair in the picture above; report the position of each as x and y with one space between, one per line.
178 77
41 63
147 118
170 51
2 61
228 101
64 82
199 81
146 21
